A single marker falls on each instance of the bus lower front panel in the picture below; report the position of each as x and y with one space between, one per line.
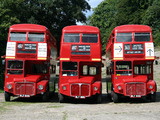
135 89
24 89
80 89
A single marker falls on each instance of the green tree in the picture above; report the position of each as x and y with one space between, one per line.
152 18
130 11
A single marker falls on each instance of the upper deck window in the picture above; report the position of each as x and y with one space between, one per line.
124 37
71 37
14 36
142 37
38 37
90 38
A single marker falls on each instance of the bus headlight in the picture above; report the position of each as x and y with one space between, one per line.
64 87
9 86
95 88
119 87
150 87
40 87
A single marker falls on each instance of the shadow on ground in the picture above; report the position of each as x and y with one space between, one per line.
105 100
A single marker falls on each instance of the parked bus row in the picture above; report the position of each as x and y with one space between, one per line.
30 63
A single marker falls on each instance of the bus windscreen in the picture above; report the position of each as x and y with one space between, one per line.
124 37
72 38
142 37
14 36
39 37
90 38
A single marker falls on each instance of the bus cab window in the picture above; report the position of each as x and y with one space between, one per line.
85 70
39 68
90 70
142 69
94 70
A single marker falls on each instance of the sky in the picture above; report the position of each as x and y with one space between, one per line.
93 4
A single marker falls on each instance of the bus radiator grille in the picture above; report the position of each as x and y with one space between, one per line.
24 88
135 89
80 90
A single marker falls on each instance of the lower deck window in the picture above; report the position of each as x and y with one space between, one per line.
14 67
123 68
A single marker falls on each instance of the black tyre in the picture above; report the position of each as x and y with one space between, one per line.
153 97
61 98
115 97
99 98
45 96
7 96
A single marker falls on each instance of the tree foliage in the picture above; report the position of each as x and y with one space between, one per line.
152 18
54 14
111 13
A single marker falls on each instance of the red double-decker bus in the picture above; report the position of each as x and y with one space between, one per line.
30 61
130 56
80 63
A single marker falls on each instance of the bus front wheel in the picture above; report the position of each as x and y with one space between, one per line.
7 96
115 97
98 98
61 98
45 96
153 97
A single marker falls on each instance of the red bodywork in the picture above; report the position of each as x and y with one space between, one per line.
25 83
138 81
80 86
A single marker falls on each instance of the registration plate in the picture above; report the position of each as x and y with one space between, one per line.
24 95
78 97
135 96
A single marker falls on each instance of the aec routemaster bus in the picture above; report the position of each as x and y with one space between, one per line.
130 56
80 63
30 62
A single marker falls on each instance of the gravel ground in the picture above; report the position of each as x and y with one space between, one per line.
127 109
32 109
